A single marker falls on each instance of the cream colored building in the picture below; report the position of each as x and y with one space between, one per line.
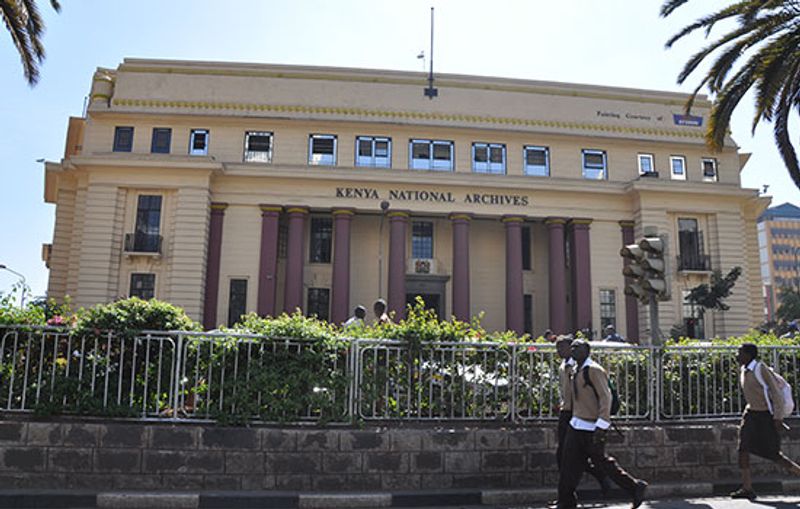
227 187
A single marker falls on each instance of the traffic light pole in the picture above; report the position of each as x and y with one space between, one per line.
655 340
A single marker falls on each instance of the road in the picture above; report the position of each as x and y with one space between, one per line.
765 502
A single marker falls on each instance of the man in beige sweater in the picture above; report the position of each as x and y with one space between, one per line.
565 370
762 420
586 435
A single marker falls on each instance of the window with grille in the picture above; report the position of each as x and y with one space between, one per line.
488 158
536 161
257 147
710 170
431 155
123 139
422 239
375 152
322 149
147 233
162 138
321 240
319 303
198 142
143 285
528 313
237 300
608 309
594 165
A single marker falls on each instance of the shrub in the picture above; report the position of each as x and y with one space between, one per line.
126 317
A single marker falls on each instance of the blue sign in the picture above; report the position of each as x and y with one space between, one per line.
687 120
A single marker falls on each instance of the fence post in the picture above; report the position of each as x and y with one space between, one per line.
656 356
514 384
177 384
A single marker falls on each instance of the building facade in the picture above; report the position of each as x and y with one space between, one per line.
779 253
231 188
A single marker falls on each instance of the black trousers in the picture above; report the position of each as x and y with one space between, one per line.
579 447
563 424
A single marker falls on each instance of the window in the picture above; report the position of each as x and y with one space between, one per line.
237 300
646 164
690 246
608 309
710 170
147 233
422 239
283 238
257 147
143 286
162 138
488 158
198 142
678 165
526 248
594 165
536 161
374 152
692 318
431 155
321 238
322 149
319 303
123 139
527 301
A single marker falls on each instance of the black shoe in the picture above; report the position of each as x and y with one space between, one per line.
638 494
743 493
605 486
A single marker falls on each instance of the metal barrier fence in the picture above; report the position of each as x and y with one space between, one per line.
238 378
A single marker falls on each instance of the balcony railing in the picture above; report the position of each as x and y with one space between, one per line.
694 261
142 243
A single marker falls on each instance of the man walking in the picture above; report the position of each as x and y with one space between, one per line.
586 434
762 420
357 320
565 370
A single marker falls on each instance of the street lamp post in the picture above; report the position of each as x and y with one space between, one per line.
384 208
22 278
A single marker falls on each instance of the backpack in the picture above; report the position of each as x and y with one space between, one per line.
614 394
784 389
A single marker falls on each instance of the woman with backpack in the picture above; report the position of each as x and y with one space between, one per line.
769 400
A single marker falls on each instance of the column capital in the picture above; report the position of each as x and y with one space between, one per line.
399 214
580 223
270 208
218 207
297 209
627 224
512 218
343 212
555 221
460 216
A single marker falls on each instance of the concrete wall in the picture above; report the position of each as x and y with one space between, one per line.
106 455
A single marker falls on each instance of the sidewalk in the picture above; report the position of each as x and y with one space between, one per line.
19 499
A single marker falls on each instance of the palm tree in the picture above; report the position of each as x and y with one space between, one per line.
761 51
23 21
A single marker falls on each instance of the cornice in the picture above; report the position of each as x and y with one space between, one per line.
391 115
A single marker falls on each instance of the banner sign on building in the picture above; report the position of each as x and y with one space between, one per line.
687 120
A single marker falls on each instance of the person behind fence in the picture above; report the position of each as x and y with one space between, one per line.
379 308
611 334
762 420
586 434
357 320
565 369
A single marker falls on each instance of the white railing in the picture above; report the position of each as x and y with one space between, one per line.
238 378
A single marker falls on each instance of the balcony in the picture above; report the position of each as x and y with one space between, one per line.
694 262
142 244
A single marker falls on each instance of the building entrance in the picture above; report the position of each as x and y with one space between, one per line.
432 301
431 289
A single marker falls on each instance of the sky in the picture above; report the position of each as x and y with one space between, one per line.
601 42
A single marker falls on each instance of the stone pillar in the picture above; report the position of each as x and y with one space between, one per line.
631 307
398 232
557 274
295 259
340 293
581 273
212 265
515 302
460 288
268 260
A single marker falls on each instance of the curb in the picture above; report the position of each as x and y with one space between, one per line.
64 499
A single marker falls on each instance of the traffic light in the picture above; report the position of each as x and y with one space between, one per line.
646 268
